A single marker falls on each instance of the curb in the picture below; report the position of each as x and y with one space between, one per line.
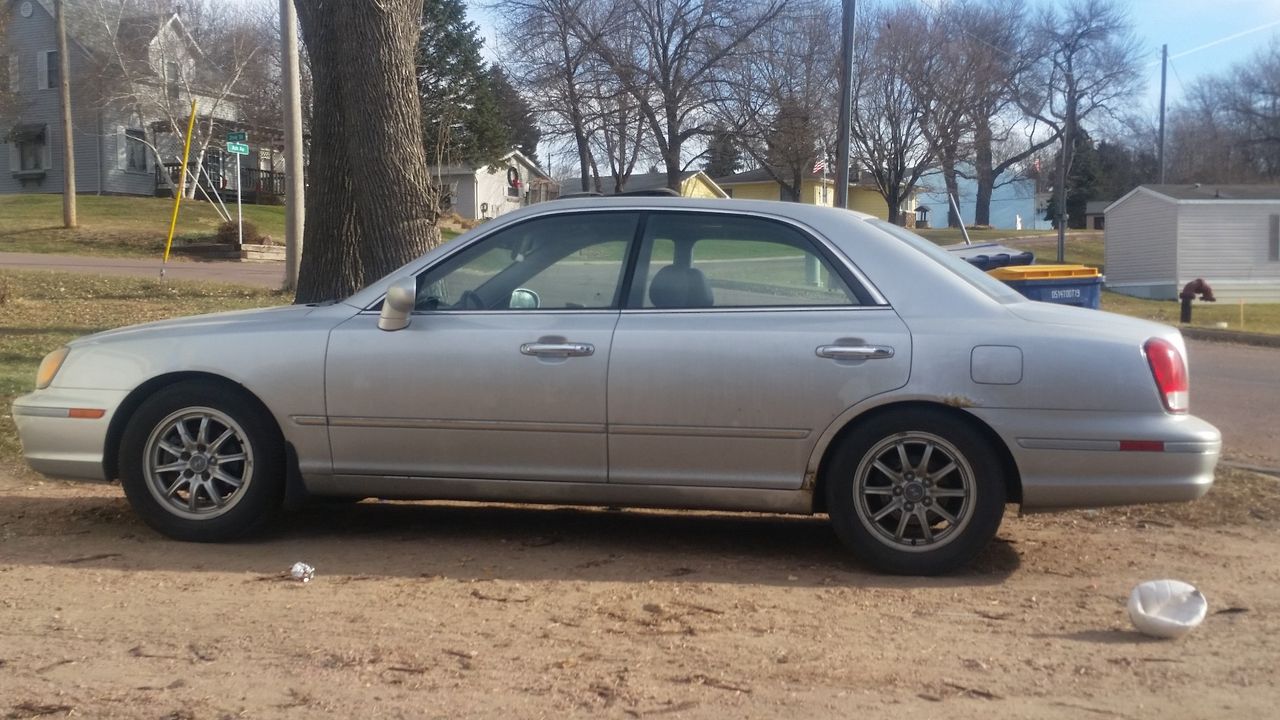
1232 336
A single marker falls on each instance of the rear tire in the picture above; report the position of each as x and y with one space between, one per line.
202 462
915 491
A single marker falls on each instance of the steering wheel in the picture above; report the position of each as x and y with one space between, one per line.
470 300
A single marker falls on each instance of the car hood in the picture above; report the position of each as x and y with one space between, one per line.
211 323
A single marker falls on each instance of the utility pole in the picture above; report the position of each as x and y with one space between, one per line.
68 142
844 131
1164 66
294 203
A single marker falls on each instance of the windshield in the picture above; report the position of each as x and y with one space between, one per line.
988 285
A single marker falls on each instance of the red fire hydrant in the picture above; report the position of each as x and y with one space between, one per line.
1189 292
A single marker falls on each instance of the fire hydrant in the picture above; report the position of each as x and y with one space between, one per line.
1189 292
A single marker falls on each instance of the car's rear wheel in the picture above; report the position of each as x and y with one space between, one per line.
915 491
202 462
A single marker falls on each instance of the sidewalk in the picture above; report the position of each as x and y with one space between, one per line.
259 274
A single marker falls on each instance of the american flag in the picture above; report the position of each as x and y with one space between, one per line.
820 166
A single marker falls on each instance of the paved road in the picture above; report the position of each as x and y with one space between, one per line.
261 274
1237 388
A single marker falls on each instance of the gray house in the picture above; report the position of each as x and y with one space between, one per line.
1160 237
115 144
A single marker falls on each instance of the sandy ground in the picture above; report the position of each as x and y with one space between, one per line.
458 610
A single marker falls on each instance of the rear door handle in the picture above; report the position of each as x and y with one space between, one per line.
565 349
854 352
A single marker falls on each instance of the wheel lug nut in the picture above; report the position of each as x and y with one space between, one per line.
927 501
910 507
897 491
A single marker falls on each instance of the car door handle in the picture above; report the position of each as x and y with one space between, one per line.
854 352
566 349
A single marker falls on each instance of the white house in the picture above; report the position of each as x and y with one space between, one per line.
1160 237
477 192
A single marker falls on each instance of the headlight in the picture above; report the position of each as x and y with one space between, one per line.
49 367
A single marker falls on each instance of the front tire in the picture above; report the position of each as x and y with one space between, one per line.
915 492
202 462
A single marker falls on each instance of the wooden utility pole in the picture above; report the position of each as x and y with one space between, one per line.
844 131
1164 66
68 142
295 200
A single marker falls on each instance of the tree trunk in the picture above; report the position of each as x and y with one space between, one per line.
986 179
371 206
953 187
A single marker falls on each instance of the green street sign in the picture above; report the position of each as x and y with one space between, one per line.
238 137
237 148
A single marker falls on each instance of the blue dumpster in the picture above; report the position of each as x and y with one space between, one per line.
1077 285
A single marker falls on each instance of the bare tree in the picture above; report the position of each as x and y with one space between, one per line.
1227 129
888 111
670 64
370 204
550 60
1088 68
778 94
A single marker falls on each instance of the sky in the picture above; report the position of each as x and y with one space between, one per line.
1185 25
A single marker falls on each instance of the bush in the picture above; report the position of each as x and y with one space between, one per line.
228 234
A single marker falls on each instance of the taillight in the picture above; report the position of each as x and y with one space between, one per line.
1170 374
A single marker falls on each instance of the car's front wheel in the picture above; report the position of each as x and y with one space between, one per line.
915 491
202 462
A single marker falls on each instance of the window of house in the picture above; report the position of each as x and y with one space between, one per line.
13 74
171 77
31 145
52 70
136 150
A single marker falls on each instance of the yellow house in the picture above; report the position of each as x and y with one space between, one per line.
693 183
758 184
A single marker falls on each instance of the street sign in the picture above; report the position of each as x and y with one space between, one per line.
239 137
237 148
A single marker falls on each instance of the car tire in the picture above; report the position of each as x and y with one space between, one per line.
203 462
915 491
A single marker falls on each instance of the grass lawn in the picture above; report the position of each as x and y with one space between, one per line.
39 311
1259 318
114 226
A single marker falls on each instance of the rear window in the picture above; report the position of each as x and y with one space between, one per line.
988 285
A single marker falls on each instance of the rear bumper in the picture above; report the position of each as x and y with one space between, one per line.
61 446
1070 459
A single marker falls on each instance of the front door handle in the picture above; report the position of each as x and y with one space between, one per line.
854 352
558 349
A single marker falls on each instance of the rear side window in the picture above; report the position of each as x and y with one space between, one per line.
692 260
993 288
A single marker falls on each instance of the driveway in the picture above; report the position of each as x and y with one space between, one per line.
260 274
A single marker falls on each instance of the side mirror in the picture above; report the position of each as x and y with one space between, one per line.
396 307
524 299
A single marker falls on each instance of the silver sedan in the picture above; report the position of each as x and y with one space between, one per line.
731 355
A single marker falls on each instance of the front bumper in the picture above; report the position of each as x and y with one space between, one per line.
61 446
1071 459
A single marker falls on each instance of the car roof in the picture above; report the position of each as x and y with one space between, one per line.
774 208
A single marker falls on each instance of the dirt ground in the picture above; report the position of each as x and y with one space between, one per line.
458 610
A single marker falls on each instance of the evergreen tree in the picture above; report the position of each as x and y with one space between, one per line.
1082 182
724 157
516 114
460 117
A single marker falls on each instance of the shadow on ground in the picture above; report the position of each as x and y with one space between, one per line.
467 541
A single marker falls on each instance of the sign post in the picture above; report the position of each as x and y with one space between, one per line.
237 144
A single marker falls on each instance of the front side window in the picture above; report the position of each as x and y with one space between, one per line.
692 260
571 262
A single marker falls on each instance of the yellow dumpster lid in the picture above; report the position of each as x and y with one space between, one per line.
1042 272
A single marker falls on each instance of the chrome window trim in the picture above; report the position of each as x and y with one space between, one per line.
760 309
878 297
